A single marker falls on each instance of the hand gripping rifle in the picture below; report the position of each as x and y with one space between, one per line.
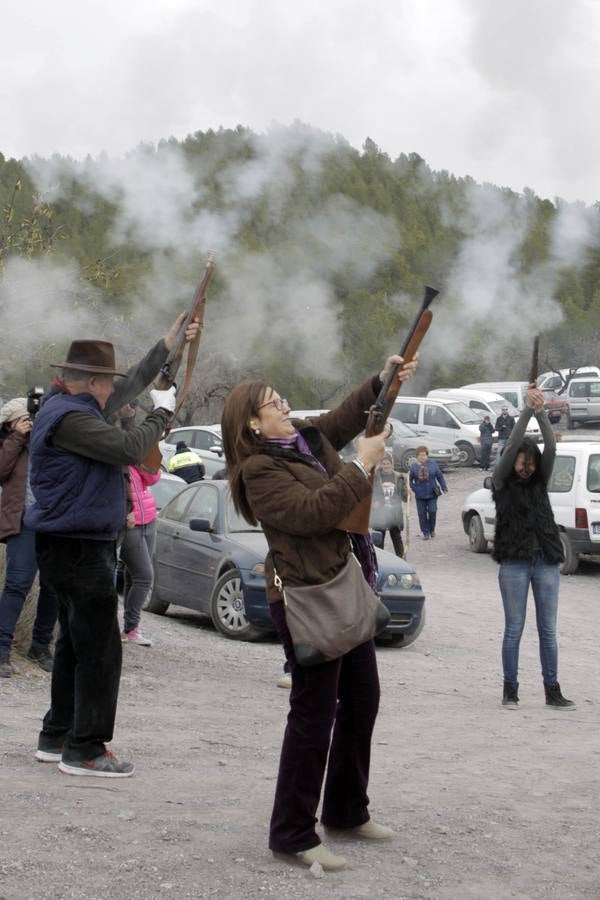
168 373
357 520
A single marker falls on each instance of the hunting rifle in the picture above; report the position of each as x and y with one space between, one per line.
533 372
168 373
357 521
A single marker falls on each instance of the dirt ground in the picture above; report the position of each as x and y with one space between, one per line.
486 802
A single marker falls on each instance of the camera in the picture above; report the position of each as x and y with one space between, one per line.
34 399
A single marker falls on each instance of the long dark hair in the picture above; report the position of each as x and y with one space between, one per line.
239 441
532 454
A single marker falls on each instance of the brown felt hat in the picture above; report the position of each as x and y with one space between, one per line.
97 357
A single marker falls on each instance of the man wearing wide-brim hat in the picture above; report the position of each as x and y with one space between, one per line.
76 462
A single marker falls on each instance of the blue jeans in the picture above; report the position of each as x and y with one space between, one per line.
427 510
514 577
21 569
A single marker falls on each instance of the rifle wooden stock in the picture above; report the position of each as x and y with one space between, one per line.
168 373
357 521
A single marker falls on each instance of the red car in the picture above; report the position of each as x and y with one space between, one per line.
554 405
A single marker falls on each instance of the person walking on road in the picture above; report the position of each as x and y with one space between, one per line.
427 483
289 476
528 547
389 493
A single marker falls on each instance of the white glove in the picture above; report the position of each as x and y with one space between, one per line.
164 399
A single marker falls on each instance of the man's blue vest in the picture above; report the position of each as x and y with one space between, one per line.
75 496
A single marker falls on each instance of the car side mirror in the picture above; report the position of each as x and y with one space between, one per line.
201 525
487 482
218 450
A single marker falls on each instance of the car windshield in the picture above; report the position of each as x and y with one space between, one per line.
235 522
464 414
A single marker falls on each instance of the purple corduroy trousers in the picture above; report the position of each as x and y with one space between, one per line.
343 695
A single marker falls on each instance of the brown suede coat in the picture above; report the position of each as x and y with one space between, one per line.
14 458
298 506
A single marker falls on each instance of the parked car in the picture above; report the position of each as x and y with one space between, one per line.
448 420
558 379
574 491
555 406
583 400
166 488
211 560
204 439
404 441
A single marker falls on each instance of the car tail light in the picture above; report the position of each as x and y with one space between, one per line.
581 519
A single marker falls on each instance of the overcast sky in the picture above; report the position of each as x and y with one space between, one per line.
507 92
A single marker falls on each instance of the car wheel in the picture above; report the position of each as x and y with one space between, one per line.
467 454
477 540
571 563
407 459
227 608
155 605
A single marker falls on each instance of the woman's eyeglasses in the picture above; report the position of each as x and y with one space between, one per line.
278 404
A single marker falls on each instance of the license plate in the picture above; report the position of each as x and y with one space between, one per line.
596 528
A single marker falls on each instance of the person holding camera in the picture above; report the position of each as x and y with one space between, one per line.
21 564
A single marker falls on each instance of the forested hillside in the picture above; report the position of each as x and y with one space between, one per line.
322 253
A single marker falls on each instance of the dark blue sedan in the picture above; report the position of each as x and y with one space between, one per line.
211 560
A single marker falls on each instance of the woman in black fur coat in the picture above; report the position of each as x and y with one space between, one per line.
528 547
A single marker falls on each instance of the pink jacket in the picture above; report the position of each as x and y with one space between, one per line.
144 505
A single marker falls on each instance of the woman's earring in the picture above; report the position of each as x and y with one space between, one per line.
254 427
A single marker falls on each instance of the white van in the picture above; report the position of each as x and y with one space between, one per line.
486 403
574 491
513 391
583 398
449 420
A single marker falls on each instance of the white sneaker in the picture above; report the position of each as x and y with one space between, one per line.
136 637
285 681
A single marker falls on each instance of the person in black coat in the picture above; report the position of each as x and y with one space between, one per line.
504 426
486 430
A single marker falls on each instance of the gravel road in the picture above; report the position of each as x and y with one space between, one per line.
486 802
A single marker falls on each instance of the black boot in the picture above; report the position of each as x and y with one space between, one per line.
510 697
555 698
5 666
42 656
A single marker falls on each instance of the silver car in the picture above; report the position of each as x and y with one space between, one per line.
405 440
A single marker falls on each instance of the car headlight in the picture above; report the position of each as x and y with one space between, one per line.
391 580
259 569
410 581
